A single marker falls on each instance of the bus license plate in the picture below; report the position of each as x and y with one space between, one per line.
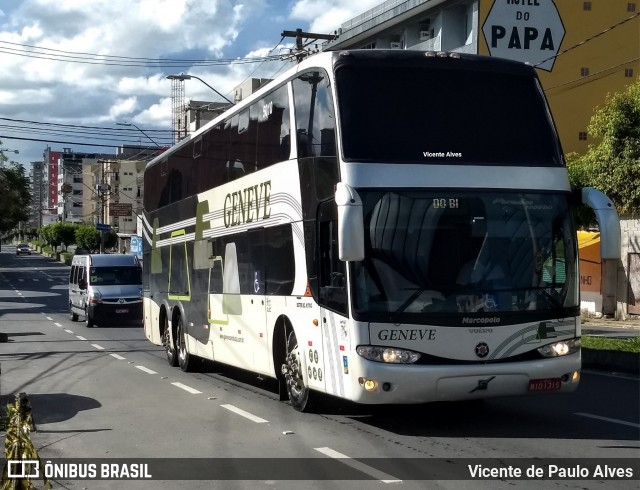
546 384
122 310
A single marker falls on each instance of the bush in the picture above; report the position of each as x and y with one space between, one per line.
66 257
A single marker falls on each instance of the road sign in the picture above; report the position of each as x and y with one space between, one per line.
102 227
524 30
120 209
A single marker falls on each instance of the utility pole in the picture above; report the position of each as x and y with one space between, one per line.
299 34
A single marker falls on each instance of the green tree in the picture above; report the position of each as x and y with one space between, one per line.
613 164
67 234
87 237
15 197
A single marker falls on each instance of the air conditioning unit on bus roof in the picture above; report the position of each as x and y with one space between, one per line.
395 45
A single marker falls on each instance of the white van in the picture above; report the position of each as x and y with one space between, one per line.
106 289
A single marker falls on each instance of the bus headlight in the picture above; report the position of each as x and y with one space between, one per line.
387 354
562 348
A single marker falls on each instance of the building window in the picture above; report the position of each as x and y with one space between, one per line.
628 72
631 7
582 136
586 6
584 72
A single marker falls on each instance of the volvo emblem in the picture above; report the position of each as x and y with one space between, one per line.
482 350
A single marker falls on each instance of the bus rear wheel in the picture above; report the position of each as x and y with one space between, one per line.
300 396
181 346
170 350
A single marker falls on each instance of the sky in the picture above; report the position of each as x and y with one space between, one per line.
72 69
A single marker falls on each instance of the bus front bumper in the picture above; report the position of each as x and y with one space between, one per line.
378 383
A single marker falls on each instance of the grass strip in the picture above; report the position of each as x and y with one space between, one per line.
631 344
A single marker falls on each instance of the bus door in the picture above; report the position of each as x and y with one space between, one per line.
332 279
255 314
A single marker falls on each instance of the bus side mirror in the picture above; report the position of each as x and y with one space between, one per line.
608 222
350 223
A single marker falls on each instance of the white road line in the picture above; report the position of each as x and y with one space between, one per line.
117 356
186 388
49 318
36 280
607 419
369 470
80 337
146 370
68 331
99 347
20 280
58 325
247 415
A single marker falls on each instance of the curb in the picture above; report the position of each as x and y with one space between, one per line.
626 362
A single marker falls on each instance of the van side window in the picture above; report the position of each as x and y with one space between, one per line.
73 275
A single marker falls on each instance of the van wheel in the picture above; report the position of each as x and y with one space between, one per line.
172 354
300 396
88 321
74 316
181 346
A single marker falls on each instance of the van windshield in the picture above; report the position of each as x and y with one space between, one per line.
111 276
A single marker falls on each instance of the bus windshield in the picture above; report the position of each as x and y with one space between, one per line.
464 252
422 113
111 276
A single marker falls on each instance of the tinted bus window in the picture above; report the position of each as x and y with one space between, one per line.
432 112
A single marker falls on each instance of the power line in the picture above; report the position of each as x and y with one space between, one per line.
37 52
589 39
590 76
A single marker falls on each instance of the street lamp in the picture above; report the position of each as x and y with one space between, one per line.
184 76
2 150
130 124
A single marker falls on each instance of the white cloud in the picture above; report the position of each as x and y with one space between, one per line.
325 16
35 87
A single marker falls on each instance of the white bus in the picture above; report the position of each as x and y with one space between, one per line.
378 226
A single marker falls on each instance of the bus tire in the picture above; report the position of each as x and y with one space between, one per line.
169 348
301 397
184 359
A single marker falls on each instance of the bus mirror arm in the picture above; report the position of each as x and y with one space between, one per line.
608 222
350 223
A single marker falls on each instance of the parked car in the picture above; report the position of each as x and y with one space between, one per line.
23 248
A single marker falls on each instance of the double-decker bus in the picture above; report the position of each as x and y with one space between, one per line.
379 226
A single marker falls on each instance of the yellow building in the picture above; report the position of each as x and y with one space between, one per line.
599 54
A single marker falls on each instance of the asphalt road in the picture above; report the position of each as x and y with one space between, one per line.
108 393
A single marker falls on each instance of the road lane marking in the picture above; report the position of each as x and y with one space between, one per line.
49 318
58 325
117 356
369 470
186 388
99 347
80 337
247 415
146 370
607 419
68 331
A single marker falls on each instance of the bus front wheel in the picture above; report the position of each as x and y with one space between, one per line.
300 396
